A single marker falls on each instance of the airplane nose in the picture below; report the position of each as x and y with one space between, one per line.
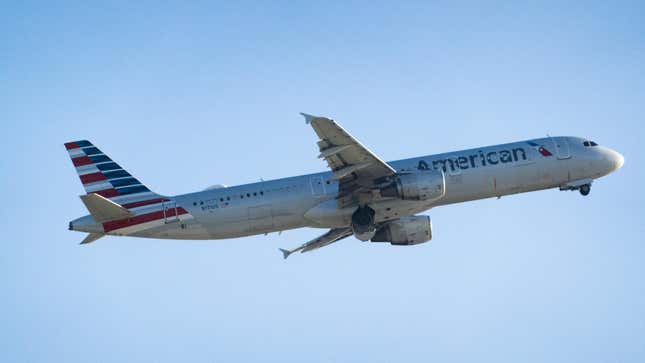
617 159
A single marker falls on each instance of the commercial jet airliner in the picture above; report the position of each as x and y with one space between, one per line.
361 195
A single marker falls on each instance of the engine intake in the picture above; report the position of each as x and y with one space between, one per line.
422 185
407 231
363 223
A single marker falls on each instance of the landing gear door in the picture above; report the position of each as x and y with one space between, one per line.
561 147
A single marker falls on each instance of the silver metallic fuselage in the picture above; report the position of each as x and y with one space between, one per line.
310 200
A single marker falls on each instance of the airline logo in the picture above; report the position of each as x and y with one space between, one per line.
540 148
100 175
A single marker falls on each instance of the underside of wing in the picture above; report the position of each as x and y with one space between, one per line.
333 235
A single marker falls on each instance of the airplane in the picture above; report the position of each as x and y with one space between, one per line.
361 195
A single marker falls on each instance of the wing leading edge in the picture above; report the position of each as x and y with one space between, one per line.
350 161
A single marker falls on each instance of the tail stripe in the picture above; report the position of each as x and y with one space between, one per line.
98 186
100 175
99 158
133 189
116 174
77 144
131 198
91 151
108 193
80 161
91 178
144 202
142 218
108 166
124 182
86 169
74 153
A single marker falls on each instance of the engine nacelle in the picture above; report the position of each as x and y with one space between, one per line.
363 223
407 231
422 185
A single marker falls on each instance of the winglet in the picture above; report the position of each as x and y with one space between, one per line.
308 118
285 253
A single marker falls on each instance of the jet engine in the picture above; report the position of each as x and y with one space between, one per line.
422 185
407 231
363 223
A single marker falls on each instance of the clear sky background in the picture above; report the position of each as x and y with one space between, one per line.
189 95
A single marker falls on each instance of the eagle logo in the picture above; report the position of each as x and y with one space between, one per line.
541 149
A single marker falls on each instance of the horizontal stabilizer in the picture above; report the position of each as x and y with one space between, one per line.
91 238
103 209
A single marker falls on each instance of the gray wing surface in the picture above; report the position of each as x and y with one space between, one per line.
352 164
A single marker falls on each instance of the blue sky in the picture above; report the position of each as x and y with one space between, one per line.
189 95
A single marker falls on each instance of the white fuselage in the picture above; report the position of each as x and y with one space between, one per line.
311 200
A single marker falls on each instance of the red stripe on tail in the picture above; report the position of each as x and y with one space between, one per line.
83 160
107 193
91 178
71 145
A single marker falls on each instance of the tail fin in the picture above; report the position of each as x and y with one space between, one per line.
102 176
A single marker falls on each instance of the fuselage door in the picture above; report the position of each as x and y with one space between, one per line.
170 211
561 147
317 186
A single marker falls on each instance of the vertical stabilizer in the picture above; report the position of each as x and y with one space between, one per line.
102 176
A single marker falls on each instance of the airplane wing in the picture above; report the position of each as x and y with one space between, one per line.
334 235
352 164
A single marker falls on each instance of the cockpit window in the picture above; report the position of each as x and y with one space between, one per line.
589 143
